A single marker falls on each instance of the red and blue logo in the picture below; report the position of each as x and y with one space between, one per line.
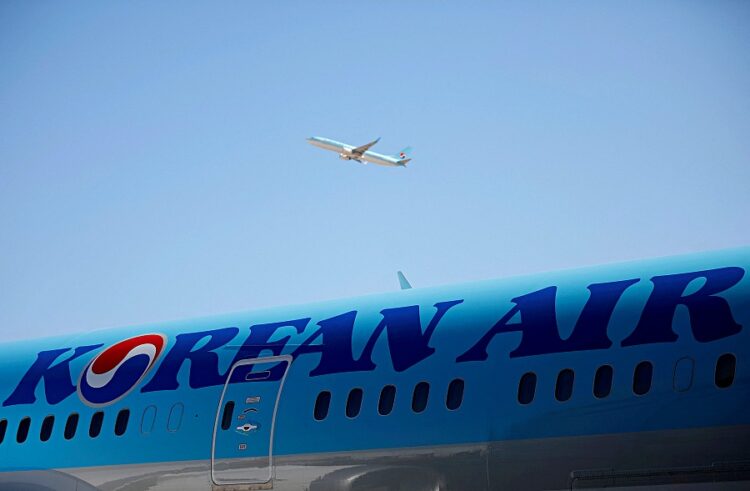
114 372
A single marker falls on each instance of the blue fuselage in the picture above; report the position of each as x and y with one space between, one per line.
640 352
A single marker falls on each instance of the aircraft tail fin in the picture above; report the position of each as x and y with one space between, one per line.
404 153
402 281
403 156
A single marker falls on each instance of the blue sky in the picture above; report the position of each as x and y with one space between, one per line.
153 162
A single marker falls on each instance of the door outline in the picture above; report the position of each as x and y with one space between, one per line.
268 483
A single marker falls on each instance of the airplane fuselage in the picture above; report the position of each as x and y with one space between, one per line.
345 152
616 375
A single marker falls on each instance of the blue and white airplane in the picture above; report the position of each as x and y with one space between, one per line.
362 154
632 376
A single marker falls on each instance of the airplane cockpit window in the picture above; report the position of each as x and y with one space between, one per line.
387 398
564 385
603 381
455 395
420 396
725 367
46 431
3 427
322 403
96 424
23 429
527 388
354 403
71 425
121 423
642 377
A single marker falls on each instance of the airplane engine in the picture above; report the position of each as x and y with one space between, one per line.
344 156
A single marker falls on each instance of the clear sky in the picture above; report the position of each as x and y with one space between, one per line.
153 163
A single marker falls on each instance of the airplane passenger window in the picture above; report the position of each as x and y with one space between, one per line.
420 396
725 367
354 403
96 424
682 379
46 430
642 377
23 429
147 419
455 395
3 427
121 423
226 418
174 421
603 381
387 397
71 425
564 385
322 403
527 388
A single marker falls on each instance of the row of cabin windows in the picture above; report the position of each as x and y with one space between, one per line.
71 426
419 398
724 373
453 399
95 424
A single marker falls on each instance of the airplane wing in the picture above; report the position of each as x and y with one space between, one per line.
363 148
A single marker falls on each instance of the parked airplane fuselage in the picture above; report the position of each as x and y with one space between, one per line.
616 375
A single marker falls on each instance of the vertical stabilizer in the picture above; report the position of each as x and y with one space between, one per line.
402 281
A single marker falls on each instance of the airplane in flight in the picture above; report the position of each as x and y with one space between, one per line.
629 376
361 154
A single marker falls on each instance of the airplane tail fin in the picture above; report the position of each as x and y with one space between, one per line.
404 153
402 281
403 156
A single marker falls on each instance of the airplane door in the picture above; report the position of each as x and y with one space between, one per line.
242 449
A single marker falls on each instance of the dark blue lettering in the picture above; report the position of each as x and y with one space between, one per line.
57 381
204 362
538 327
335 347
258 341
710 316
406 341
538 324
590 331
